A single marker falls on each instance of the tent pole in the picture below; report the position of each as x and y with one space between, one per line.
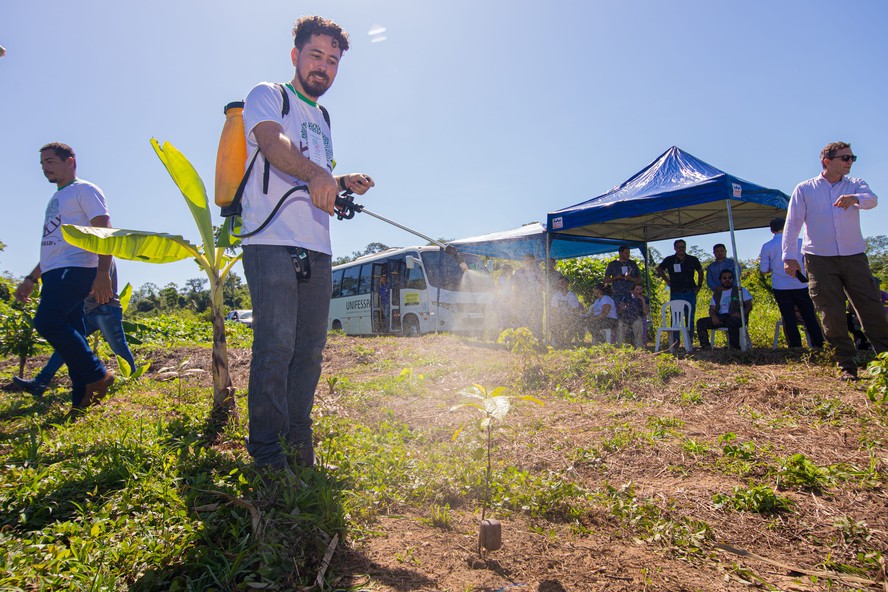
647 265
744 345
545 311
647 280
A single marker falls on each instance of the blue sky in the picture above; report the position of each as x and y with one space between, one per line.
471 116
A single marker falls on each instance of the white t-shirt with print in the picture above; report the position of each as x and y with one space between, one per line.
724 304
298 222
76 203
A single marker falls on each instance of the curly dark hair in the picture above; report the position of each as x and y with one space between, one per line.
63 151
308 26
829 151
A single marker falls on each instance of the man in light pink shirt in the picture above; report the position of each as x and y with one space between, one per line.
829 208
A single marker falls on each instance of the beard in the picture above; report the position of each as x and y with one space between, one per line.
317 87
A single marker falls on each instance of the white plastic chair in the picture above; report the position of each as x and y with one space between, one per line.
744 338
674 322
779 325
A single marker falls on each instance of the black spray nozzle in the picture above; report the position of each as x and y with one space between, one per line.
345 206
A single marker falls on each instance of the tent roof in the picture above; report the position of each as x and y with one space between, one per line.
676 195
530 239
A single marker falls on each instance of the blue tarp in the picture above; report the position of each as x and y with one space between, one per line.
676 195
531 240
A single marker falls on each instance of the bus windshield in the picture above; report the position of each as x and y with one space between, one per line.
444 272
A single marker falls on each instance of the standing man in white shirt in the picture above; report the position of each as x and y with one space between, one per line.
288 261
789 292
828 206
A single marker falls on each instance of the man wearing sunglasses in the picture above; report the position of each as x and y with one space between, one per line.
828 206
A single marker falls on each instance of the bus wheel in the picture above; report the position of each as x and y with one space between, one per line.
337 326
411 326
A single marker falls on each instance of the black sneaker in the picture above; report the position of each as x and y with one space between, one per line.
31 386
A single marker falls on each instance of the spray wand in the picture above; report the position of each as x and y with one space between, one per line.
346 208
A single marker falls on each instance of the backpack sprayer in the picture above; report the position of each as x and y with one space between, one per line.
231 179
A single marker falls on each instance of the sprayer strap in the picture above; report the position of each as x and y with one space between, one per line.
234 208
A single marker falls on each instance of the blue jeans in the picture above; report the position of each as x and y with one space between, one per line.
105 318
691 298
289 334
59 319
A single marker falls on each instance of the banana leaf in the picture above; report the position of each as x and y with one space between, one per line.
193 189
133 245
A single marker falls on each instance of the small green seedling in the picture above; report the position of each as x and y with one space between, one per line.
178 373
493 406
126 374
18 337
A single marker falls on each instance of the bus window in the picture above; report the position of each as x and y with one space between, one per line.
366 276
337 283
349 281
415 280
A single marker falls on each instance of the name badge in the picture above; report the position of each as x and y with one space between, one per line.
316 152
677 268
625 270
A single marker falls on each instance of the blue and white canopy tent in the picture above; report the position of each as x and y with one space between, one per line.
676 195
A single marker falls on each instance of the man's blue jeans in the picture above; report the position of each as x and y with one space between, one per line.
59 319
691 298
289 334
105 318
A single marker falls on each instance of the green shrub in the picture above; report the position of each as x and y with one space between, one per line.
758 498
878 389
798 471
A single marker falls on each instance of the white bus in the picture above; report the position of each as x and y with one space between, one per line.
410 291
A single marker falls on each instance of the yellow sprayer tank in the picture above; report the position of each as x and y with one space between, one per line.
232 155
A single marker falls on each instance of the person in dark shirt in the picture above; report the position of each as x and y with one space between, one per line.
684 276
622 274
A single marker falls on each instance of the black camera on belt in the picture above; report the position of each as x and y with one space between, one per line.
301 262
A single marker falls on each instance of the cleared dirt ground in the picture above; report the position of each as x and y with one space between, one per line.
649 438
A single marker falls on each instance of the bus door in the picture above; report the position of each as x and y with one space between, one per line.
380 299
385 303
395 275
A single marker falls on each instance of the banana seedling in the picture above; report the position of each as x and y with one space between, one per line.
159 247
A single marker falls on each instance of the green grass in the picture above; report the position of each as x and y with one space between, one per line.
141 495
140 500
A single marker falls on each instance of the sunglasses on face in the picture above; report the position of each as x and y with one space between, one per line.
845 157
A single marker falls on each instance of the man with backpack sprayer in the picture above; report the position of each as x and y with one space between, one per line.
288 262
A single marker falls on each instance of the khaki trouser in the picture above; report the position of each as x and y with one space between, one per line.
830 280
637 328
